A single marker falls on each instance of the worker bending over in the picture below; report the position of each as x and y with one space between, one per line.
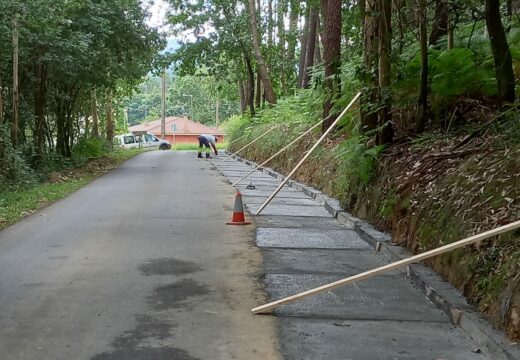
207 141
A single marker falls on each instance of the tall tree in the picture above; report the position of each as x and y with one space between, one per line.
311 46
15 92
332 52
304 41
385 35
422 103
268 87
440 22
501 53
370 60
109 118
292 37
94 113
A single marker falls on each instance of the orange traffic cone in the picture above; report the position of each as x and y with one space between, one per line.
238 213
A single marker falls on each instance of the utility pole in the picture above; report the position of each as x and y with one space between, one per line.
15 123
125 125
191 104
163 106
216 114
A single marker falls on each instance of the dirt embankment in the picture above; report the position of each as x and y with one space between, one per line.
434 193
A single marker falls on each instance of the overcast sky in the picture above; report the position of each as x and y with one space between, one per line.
158 12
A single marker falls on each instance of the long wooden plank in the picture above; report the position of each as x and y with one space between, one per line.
246 146
308 153
280 151
368 274
239 138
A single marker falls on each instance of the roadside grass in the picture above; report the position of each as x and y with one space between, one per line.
196 146
19 202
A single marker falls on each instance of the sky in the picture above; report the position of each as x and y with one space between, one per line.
158 10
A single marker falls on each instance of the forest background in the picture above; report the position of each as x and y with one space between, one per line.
431 153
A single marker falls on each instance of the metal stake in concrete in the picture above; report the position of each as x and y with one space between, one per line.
308 153
246 146
280 151
368 274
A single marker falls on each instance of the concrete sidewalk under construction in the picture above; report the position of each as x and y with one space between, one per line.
303 246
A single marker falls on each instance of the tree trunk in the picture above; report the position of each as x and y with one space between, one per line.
39 110
451 31
110 119
15 103
292 38
440 22
1 103
385 134
95 120
61 128
501 53
303 47
423 90
332 58
258 94
311 46
370 48
412 6
270 23
251 84
242 97
319 34
268 87
281 10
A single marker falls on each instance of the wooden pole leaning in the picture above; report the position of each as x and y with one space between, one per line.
246 146
308 153
234 141
368 274
279 151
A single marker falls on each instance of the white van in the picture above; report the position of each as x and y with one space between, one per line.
146 140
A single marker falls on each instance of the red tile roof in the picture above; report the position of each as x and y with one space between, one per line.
183 126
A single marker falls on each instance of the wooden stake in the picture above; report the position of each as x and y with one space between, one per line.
308 153
234 141
279 152
368 274
246 146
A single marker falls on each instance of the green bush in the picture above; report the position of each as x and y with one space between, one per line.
14 167
91 148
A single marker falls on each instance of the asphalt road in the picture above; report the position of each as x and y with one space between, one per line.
137 265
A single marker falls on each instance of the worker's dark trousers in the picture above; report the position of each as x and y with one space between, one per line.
204 142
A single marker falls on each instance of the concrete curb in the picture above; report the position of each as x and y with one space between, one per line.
443 295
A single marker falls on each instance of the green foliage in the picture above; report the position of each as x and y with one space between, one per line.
452 73
357 164
91 148
15 169
455 73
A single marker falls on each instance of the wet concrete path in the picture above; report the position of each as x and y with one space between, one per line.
138 265
385 317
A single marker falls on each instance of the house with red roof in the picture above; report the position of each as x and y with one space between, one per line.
179 130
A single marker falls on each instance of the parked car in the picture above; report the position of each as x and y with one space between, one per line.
129 141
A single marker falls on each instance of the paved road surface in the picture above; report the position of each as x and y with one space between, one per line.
137 265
